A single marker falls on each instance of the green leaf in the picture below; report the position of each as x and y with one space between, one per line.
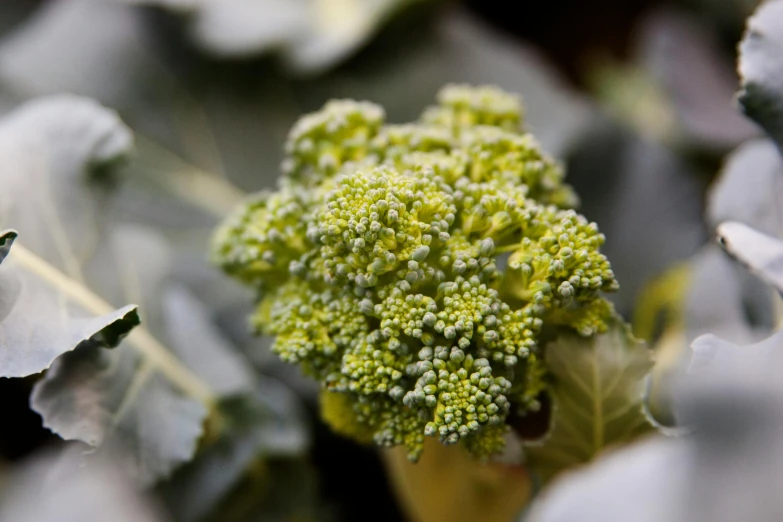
726 467
43 315
598 391
759 252
761 69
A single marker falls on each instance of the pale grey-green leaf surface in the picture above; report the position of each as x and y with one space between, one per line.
761 69
148 395
200 346
761 253
337 31
267 423
112 398
54 153
132 397
716 300
99 49
49 149
310 35
749 188
238 127
684 55
721 296
598 391
643 483
730 399
40 319
56 487
127 395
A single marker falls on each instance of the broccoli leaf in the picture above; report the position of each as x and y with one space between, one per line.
200 346
58 152
719 296
313 36
56 487
140 396
724 298
749 188
266 423
34 300
646 482
729 399
7 238
51 152
759 252
120 400
598 392
144 399
147 404
761 69
56 155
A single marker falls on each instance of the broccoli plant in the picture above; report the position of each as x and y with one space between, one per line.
417 271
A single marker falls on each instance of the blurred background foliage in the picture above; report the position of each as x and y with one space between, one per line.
635 95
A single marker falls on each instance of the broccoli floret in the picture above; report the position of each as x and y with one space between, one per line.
463 106
257 243
320 143
414 269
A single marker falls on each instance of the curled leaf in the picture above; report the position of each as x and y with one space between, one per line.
43 314
55 154
139 397
759 252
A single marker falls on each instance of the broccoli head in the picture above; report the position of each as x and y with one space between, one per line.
415 270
